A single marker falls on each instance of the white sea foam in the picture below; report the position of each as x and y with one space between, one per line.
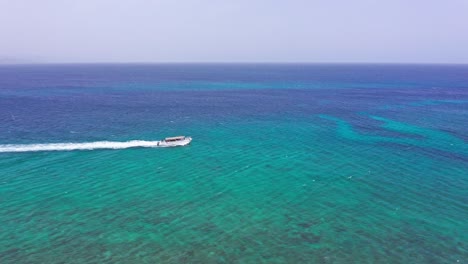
78 146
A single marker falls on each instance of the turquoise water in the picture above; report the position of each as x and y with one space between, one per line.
348 174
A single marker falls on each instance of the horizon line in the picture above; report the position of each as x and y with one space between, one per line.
233 63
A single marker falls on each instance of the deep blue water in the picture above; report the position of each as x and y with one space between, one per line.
289 164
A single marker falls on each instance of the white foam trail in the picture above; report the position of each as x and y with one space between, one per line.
78 146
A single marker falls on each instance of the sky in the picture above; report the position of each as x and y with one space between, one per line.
305 31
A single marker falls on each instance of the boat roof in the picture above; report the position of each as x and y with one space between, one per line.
174 138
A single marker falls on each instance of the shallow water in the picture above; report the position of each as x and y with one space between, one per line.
289 164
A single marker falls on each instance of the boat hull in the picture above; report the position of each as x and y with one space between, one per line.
177 143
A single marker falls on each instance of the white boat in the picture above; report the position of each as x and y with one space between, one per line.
175 141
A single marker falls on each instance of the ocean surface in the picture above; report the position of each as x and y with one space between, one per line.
288 163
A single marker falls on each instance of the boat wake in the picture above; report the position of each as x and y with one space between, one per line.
79 146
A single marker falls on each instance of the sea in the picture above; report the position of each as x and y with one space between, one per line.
289 163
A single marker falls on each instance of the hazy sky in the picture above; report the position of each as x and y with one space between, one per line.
234 31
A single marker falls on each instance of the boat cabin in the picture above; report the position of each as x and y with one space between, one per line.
172 139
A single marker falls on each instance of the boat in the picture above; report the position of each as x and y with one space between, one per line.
175 141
